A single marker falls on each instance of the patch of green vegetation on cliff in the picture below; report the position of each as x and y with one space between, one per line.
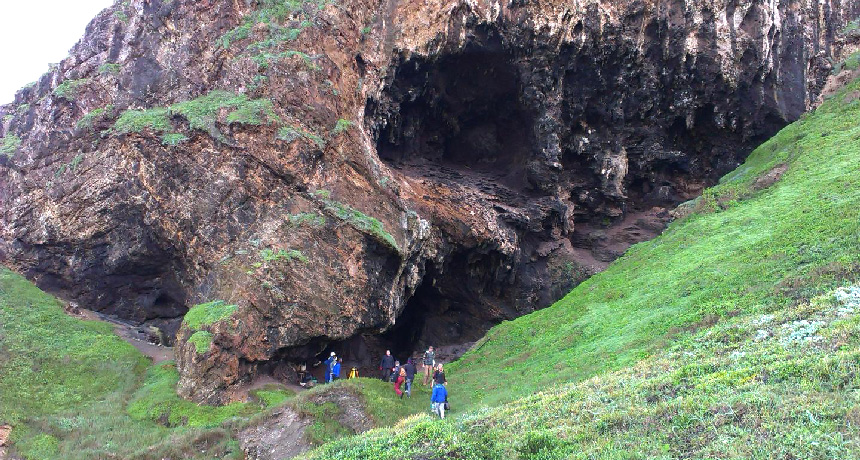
156 401
9 144
135 121
311 219
173 139
356 218
201 341
271 255
273 13
206 314
291 133
341 126
70 89
93 116
71 166
701 343
110 68
264 59
201 113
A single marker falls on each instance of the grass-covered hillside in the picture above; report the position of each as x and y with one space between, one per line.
72 389
726 337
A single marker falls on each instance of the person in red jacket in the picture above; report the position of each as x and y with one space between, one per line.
399 378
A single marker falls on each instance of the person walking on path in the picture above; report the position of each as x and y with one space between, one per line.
438 399
439 376
410 376
386 365
429 362
399 378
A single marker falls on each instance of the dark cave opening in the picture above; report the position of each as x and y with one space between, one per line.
460 112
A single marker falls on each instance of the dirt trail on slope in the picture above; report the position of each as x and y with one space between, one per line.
140 337
278 437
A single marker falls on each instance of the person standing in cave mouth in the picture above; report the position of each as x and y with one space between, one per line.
329 364
386 366
429 363
335 369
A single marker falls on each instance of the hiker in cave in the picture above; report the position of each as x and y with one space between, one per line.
386 366
429 362
410 376
439 399
439 376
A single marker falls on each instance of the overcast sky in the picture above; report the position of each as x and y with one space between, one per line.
34 33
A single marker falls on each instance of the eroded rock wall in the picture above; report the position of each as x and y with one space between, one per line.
446 165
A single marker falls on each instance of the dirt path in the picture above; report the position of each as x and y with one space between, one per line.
137 336
157 353
275 438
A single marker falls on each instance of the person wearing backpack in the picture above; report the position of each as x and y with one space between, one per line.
410 376
438 399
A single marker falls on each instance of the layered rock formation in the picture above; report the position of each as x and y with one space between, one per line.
363 174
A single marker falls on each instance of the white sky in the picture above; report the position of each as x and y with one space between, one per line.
34 33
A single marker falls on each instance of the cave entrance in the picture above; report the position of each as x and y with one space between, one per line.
457 116
452 307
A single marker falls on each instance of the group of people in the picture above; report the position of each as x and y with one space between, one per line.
434 374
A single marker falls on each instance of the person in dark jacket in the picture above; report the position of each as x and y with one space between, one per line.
410 376
439 375
386 366
438 399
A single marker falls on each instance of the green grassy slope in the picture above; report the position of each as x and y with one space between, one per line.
73 389
750 250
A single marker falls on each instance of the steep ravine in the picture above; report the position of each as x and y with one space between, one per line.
361 175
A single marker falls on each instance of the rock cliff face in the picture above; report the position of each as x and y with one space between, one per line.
361 174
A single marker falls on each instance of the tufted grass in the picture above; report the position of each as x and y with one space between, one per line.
206 314
9 144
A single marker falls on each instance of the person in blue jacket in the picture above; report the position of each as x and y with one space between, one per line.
438 399
335 369
329 363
